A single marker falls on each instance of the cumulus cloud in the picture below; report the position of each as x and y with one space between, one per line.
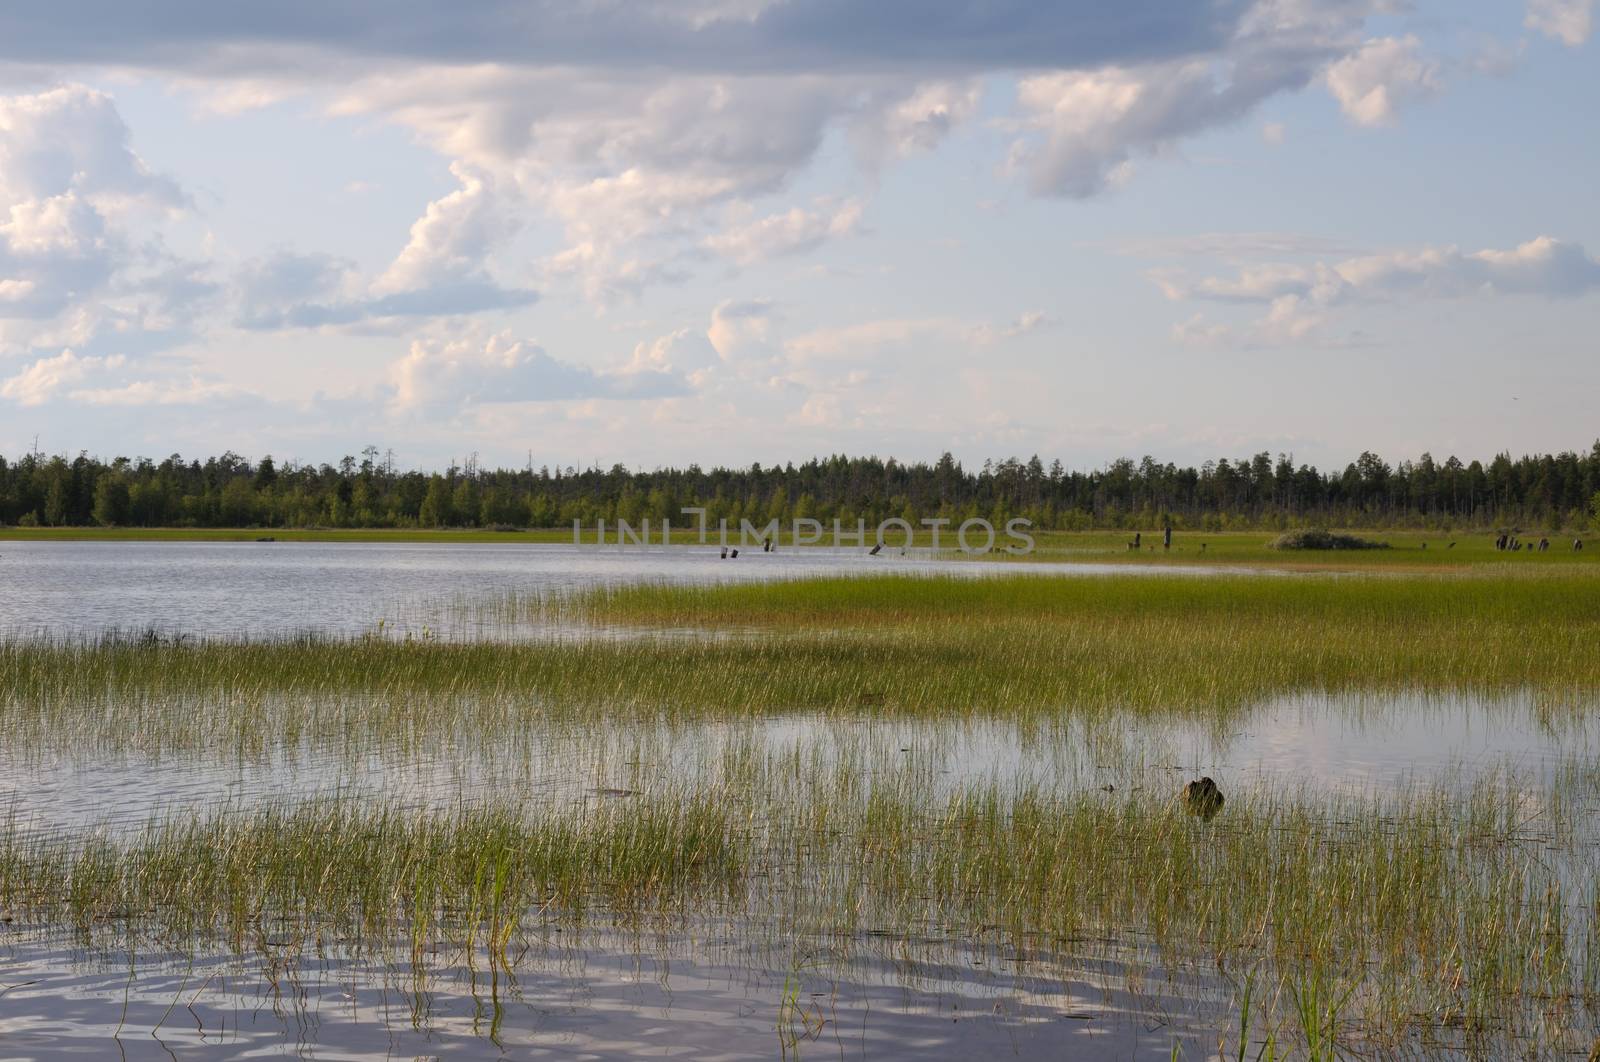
53 252
469 370
48 377
441 271
71 139
1542 266
739 343
108 381
1384 75
1568 21
624 159
744 332
635 125
647 129
904 126
452 240
1025 325
780 235
1084 128
1299 297
687 351
617 160
71 263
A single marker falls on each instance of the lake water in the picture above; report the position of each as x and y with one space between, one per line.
709 995
269 589
1317 743
713 992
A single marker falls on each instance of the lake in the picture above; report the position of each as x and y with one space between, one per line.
272 589
704 986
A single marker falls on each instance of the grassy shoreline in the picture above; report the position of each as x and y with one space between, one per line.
1411 550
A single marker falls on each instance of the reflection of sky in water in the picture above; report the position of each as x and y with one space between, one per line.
1306 742
267 589
714 996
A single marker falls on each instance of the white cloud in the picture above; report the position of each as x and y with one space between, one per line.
917 122
614 158
687 351
226 99
629 160
56 251
190 392
1198 331
441 271
452 240
1299 297
72 140
984 335
108 381
48 377
1543 266
779 235
1568 21
1085 127
469 369
635 126
1384 75
820 411
72 262
744 332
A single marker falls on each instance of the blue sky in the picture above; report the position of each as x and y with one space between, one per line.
723 231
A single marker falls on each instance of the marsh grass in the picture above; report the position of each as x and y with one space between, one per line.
1464 917
1424 914
1029 648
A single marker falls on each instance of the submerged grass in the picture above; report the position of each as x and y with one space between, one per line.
1027 647
1438 915
1464 917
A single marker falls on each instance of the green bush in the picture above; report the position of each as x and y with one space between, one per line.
1315 538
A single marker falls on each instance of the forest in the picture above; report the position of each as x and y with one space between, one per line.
1552 491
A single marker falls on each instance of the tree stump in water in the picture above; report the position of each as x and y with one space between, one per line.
1203 798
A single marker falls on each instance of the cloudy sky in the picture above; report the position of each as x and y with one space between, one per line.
724 231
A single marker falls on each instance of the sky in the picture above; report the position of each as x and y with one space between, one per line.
662 232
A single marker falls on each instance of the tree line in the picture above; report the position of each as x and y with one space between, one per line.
1552 491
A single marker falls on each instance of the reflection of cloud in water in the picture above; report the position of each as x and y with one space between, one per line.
1308 743
259 590
615 996
1384 743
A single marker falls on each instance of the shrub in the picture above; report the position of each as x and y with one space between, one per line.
1316 538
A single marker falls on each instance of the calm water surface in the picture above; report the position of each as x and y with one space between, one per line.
1315 743
715 994
267 589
